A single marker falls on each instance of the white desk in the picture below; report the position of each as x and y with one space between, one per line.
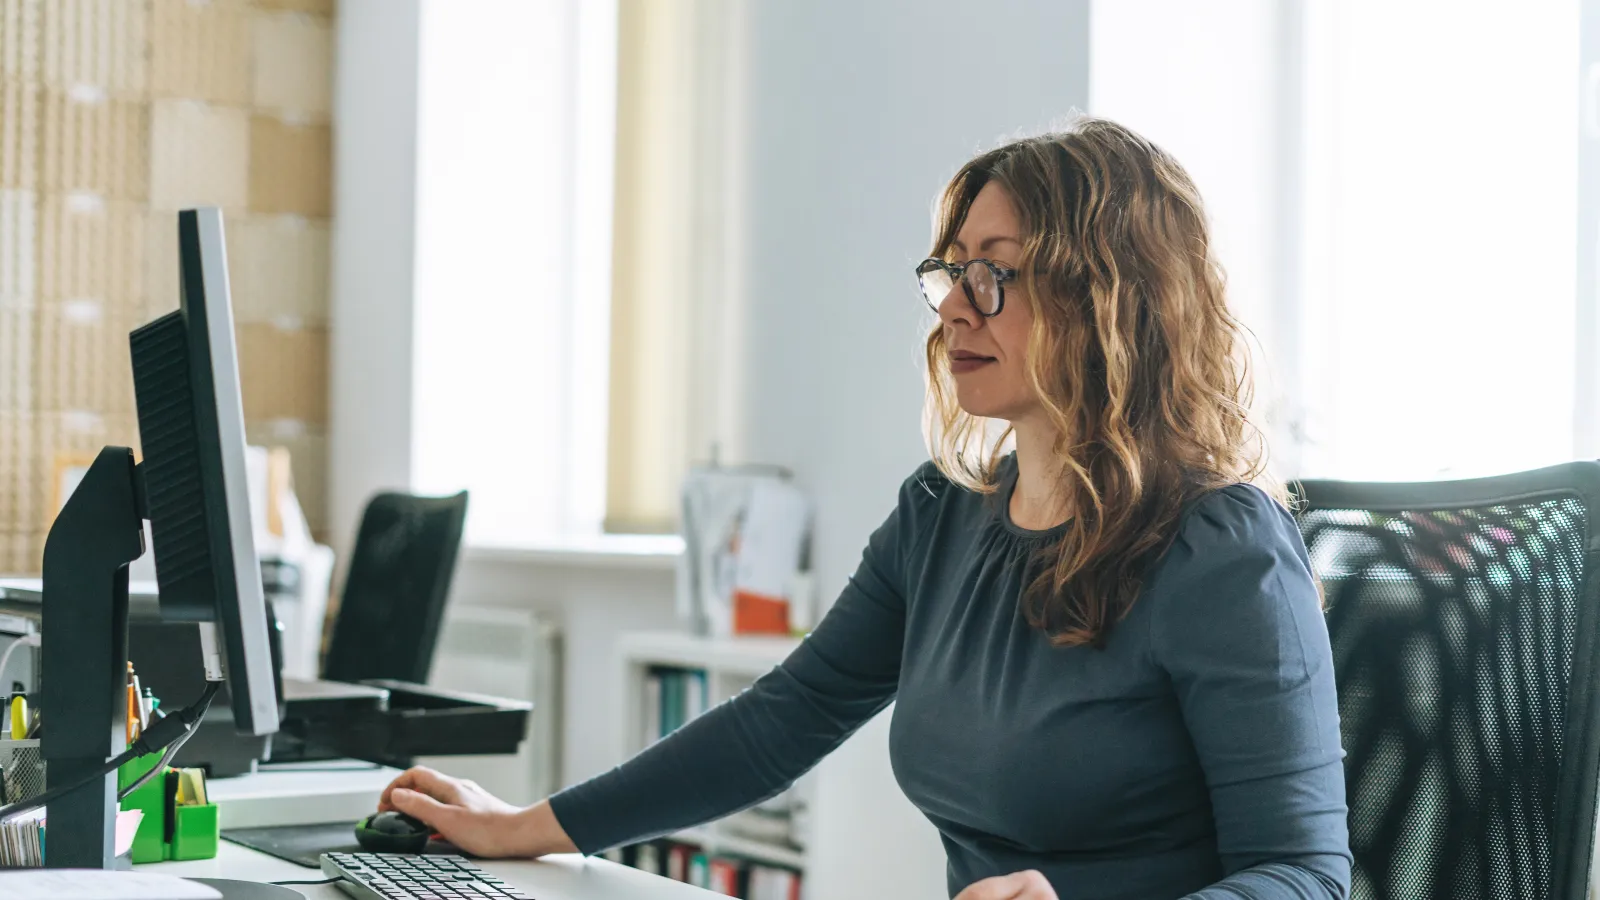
554 878
300 794
331 792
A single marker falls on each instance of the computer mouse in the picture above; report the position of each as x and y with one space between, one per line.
392 832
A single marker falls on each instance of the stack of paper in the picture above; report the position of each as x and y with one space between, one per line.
20 841
22 838
745 534
92 884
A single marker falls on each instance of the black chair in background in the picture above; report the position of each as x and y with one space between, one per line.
1464 624
395 592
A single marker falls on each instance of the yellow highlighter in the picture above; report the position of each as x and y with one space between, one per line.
19 717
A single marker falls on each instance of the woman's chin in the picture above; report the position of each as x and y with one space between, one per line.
986 405
983 407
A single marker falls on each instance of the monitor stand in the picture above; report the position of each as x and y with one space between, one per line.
84 650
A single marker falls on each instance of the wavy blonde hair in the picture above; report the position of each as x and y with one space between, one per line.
1133 354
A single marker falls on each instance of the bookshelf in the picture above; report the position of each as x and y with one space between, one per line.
851 834
716 669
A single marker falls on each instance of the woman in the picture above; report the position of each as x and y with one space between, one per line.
1111 671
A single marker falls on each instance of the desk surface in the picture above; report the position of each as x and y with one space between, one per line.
562 877
346 791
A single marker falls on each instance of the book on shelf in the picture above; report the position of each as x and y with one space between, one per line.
650 705
678 862
724 877
768 827
649 859
672 698
771 883
727 874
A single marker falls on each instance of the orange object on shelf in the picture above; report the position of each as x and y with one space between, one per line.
759 614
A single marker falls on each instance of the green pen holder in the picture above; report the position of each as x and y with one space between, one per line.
149 843
195 830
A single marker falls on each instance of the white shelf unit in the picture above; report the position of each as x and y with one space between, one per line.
860 839
730 666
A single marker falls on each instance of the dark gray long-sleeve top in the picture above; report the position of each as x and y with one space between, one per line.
1197 755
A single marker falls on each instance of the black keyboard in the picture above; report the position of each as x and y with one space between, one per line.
394 876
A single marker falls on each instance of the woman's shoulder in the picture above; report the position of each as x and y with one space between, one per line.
925 484
1233 529
1236 517
1237 577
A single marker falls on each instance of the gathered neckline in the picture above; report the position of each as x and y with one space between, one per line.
1008 486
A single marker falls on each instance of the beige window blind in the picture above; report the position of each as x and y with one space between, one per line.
675 279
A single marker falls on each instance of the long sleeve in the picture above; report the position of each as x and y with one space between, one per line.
752 747
1240 631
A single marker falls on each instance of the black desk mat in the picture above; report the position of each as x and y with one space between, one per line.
303 844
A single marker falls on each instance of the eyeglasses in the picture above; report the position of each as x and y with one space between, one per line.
983 281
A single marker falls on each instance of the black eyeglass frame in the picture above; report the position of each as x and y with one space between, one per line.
958 272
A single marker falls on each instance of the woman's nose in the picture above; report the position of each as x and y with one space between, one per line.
955 307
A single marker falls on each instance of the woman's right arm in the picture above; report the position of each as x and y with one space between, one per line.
752 747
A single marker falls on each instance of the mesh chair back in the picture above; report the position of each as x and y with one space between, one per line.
395 592
1463 618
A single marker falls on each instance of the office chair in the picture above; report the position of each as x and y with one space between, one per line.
1464 623
395 592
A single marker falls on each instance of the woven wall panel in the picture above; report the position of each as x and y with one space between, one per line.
19 134
95 144
279 267
19 40
21 552
291 167
114 114
55 439
161 263
317 7
98 43
17 336
199 156
293 58
79 434
284 373
18 269
92 250
82 361
23 476
200 51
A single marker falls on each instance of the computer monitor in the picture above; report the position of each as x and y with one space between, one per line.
192 487
191 427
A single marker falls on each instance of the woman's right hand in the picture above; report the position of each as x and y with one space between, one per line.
474 819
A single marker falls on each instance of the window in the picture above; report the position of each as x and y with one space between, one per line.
576 259
513 246
1439 236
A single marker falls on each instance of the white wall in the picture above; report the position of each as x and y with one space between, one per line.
1217 85
594 600
859 113
375 192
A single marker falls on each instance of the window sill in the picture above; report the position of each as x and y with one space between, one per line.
648 552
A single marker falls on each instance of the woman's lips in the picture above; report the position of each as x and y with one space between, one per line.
962 362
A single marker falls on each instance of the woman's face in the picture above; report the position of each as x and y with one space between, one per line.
988 356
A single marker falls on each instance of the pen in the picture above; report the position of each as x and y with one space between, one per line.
147 707
19 717
138 703
133 711
133 715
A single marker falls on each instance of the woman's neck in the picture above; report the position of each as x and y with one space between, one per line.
1036 501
